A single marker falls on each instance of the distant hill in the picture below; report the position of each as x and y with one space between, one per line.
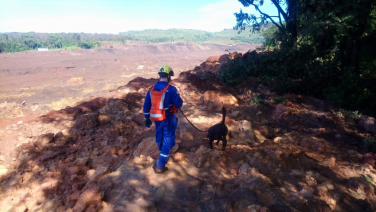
18 42
227 36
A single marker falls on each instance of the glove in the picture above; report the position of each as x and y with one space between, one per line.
148 123
172 109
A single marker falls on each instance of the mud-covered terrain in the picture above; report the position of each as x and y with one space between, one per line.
36 82
290 153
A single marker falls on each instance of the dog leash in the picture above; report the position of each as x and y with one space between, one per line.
190 121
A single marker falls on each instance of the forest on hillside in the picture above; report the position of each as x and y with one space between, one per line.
325 49
18 42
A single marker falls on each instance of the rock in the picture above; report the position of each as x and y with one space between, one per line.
179 157
24 155
257 155
306 193
259 113
216 100
2 159
139 118
201 156
338 136
73 177
277 139
246 136
332 162
81 161
234 114
254 208
175 148
101 171
243 169
259 136
89 120
266 131
369 158
61 138
127 112
104 119
296 173
104 143
324 187
15 208
279 111
368 124
120 152
90 173
3 171
88 197
44 139
147 147
245 125
20 122
319 147
185 136
48 205
264 209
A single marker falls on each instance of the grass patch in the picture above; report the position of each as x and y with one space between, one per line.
257 100
75 79
88 90
278 100
349 114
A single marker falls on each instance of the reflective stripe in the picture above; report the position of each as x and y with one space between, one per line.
146 113
155 115
167 108
151 101
164 155
162 101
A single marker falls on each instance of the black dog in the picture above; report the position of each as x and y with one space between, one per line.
218 132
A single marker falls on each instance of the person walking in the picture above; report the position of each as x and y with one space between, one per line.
160 105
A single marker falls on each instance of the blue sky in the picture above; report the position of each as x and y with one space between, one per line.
114 16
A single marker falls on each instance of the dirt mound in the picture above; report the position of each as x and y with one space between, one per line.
288 153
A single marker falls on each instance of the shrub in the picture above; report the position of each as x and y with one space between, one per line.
86 44
278 100
370 144
235 72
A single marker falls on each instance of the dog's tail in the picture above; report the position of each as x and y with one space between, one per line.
223 115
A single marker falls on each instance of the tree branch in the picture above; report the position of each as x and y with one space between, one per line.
279 17
281 28
280 10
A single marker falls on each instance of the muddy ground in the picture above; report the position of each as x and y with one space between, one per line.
298 154
54 79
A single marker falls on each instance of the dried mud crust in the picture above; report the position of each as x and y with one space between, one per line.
55 79
98 156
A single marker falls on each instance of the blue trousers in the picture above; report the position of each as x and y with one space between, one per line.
165 138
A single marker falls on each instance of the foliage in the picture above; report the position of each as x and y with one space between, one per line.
370 144
15 42
332 56
349 114
234 72
278 100
86 44
257 100
287 18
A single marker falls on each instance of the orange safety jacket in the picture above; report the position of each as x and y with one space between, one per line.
157 111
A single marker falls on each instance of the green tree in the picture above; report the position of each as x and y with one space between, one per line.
287 18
